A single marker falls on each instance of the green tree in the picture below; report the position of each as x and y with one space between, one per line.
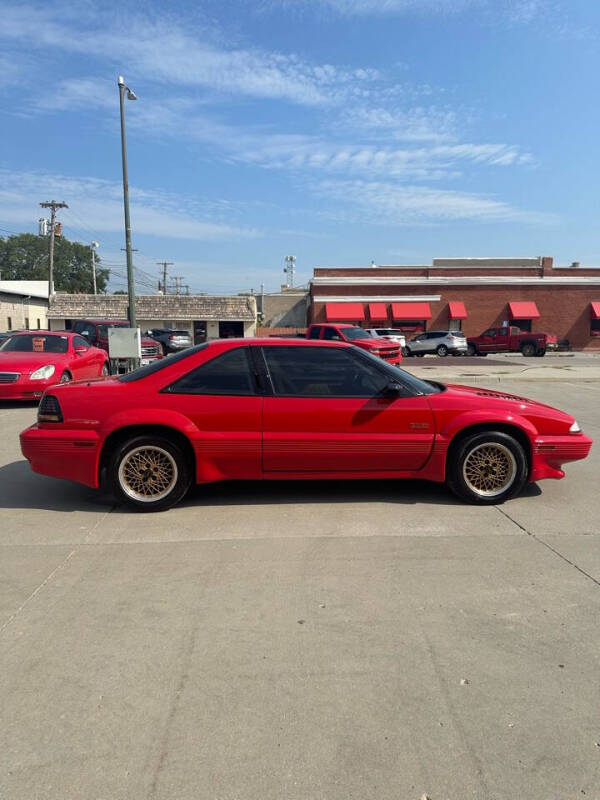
25 258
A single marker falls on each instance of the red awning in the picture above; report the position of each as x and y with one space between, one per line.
378 312
595 309
344 312
411 311
457 310
526 309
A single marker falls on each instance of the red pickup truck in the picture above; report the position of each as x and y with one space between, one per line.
511 340
387 349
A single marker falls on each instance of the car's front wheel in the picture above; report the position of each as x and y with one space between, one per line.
149 473
471 350
487 468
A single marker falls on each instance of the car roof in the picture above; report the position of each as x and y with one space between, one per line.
42 331
101 321
259 341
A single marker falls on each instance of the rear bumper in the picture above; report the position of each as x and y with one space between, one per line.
61 453
551 452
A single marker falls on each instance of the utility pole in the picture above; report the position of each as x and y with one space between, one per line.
130 278
93 247
177 279
52 205
164 265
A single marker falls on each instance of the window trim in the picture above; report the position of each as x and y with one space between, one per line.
254 377
353 352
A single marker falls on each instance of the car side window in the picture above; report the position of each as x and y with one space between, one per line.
79 341
322 372
314 333
228 373
331 334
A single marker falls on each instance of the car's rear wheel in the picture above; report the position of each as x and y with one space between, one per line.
65 377
442 350
487 468
528 349
149 473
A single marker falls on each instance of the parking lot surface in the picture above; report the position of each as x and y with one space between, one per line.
303 641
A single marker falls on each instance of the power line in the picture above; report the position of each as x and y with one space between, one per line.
164 265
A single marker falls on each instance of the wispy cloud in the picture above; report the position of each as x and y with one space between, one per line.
163 51
380 202
153 213
520 11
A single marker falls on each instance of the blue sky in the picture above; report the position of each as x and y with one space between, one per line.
339 131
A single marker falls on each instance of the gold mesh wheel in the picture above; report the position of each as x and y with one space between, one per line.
148 473
489 469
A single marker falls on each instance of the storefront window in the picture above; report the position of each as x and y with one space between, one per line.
455 325
523 324
410 325
595 327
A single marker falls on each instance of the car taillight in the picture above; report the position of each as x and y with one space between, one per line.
49 410
172 337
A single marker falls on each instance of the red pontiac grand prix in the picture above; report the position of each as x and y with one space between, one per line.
31 361
284 409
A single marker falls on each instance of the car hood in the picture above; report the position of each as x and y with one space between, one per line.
455 399
29 362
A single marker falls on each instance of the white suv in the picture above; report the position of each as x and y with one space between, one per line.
389 333
438 342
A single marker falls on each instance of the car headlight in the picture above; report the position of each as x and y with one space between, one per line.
43 373
575 428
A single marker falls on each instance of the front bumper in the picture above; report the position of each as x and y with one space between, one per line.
25 389
551 452
63 453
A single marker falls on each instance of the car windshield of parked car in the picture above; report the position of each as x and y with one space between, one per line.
36 343
160 363
355 333
103 329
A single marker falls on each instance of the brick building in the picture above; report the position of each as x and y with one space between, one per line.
203 316
470 294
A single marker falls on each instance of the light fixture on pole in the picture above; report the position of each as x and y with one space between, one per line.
130 280
93 247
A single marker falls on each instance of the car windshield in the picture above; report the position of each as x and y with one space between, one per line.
160 363
416 385
355 333
36 343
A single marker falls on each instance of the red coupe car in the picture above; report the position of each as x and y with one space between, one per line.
31 361
285 409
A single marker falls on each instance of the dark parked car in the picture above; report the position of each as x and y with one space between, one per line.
172 341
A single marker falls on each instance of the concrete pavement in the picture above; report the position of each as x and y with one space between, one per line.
304 641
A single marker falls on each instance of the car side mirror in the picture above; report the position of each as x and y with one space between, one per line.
393 389
79 351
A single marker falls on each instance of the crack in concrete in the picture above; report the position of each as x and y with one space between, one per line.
56 570
548 546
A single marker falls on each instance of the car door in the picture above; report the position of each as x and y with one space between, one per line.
487 341
418 344
84 364
503 339
329 413
223 399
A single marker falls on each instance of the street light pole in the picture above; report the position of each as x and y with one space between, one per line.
130 279
93 247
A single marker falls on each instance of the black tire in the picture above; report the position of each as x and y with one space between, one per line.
176 466
528 349
442 350
468 458
419 355
405 352
471 350
105 369
65 377
540 354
